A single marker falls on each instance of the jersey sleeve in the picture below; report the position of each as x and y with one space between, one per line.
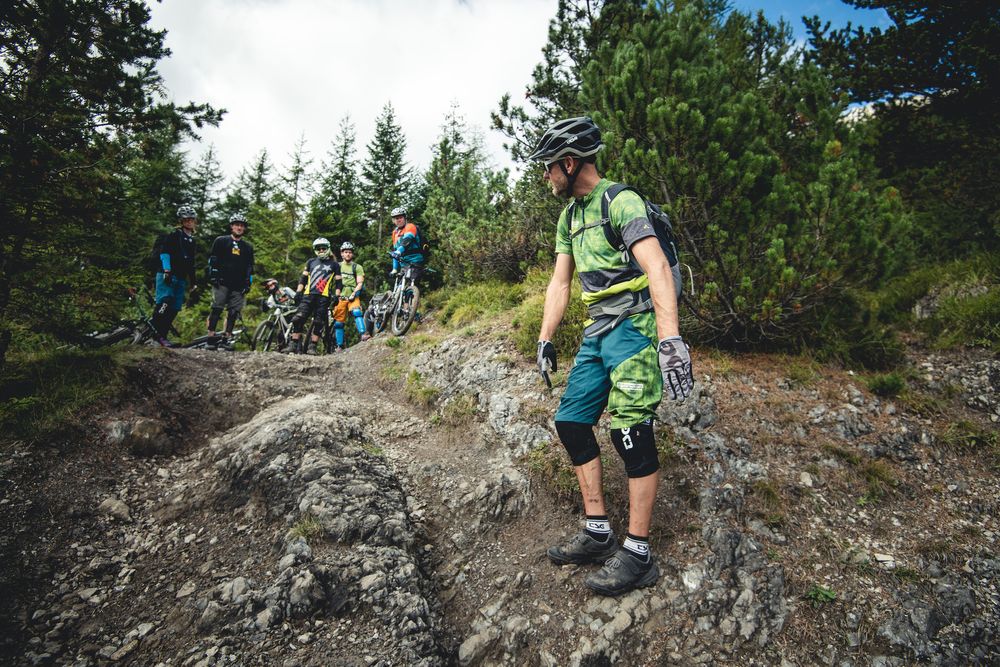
628 216
563 244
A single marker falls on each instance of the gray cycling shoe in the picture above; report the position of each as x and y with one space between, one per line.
582 548
622 573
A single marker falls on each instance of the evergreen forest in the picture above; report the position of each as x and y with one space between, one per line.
819 190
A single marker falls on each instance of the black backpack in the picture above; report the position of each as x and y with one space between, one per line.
660 221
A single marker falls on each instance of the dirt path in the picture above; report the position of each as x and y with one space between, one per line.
391 505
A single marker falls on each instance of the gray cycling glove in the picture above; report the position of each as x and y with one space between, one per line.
675 365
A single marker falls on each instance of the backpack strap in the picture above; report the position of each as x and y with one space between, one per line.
573 233
610 233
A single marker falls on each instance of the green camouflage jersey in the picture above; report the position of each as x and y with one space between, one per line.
603 271
351 272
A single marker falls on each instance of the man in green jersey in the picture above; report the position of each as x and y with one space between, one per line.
631 350
350 296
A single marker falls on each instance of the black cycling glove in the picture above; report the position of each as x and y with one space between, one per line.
546 360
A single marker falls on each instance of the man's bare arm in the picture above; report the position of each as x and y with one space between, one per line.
557 296
649 255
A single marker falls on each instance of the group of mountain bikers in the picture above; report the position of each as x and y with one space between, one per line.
325 283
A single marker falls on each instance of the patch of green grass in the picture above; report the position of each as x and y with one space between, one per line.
843 454
420 341
465 305
923 404
308 528
527 320
879 479
802 371
973 320
371 448
418 391
965 435
820 595
886 384
554 468
767 493
906 574
460 410
392 371
722 362
393 342
41 393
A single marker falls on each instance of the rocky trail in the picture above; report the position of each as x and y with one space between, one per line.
392 506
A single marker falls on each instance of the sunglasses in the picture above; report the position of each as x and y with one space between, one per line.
321 248
549 166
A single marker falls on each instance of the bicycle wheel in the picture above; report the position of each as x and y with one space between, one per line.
263 336
406 310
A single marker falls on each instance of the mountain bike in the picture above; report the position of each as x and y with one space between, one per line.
129 332
396 308
407 299
275 332
214 341
377 313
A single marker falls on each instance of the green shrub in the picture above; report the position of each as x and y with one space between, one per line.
886 384
820 595
40 393
848 331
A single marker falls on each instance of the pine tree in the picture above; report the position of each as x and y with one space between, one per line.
578 27
461 192
290 198
80 93
384 174
203 187
933 79
337 210
737 136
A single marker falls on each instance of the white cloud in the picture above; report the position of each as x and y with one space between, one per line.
287 68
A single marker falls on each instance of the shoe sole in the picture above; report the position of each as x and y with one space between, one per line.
560 559
647 579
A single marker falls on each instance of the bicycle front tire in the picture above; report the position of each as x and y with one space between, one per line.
405 311
263 336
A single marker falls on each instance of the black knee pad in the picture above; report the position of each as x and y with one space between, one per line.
213 318
579 441
636 446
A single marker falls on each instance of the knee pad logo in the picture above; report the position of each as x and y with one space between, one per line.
626 438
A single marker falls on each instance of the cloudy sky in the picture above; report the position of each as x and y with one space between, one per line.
286 69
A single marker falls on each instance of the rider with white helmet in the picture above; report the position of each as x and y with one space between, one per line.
350 297
319 282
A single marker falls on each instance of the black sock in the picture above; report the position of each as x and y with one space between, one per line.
598 527
637 546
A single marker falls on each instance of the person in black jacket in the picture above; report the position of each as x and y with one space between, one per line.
230 272
176 252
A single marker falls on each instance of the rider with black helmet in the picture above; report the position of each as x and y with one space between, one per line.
631 350
175 271
230 272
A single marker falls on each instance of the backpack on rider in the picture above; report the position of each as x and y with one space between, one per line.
661 225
